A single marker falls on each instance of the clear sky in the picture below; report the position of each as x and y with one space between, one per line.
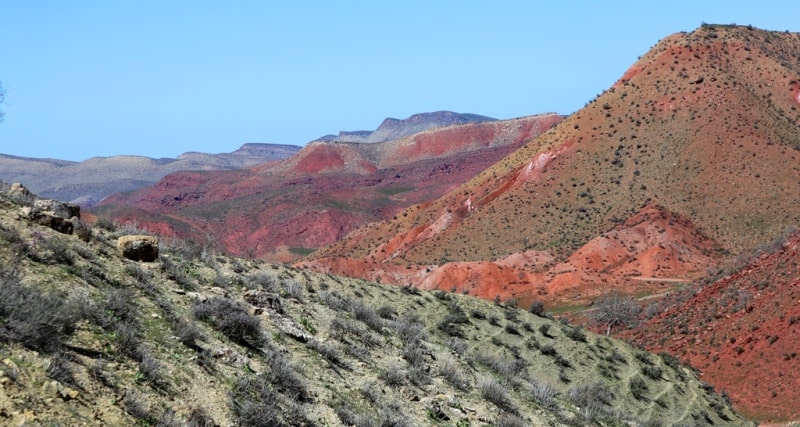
159 78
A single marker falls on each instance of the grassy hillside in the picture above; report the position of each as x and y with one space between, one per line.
196 338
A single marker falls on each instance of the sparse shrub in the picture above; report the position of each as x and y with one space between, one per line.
335 301
537 308
410 329
638 388
232 319
198 417
151 370
393 375
293 290
254 403
494 320
411 290
543 393
59 368
136 407
548 350
55 249
178 272
386 312
544 329
451 324
328 351
307 325
596 396
496 393
653 372
414 353
106 224
453 374
82 230
457 346
510 420
37 320
126 334
284 379
477 314
189 333
575 333
365 313
511 329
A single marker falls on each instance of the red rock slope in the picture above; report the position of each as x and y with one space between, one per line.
280 211
705 126
741 332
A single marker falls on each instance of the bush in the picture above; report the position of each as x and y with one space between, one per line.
59 368
653 372
284 379
575 334
496 393
254 403
638 388
367 314
232 319
35 319
394 375
543 393
453 374
328 351
595 396
198 417
537 308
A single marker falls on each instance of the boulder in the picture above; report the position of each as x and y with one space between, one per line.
59 209
138 248
48 219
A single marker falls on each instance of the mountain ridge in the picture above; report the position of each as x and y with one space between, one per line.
391 128
89 181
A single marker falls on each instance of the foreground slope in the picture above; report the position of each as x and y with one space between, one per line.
741 331
89 181
704 125
283 210
88 337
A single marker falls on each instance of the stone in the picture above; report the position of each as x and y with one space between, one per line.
138 247
59 209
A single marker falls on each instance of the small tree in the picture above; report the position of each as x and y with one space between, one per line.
615 310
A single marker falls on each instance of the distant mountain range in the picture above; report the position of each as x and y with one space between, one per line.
90 181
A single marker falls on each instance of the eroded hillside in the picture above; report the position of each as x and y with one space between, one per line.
93 338
704 125
282 211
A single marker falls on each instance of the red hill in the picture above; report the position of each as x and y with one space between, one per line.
283 210
740 331
705 126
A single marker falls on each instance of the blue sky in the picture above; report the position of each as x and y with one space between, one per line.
159 78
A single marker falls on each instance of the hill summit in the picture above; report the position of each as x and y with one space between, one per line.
705 126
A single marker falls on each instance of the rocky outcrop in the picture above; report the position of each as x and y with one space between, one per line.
138 248
57 215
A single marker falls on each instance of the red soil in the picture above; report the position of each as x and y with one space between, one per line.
653 243
281 210
741 333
